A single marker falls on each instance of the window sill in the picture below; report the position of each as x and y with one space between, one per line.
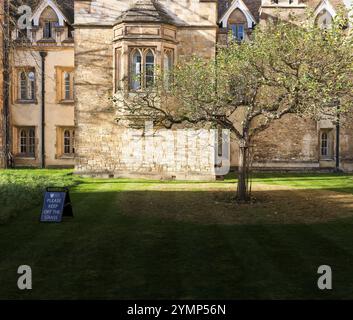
26 101
23 157
67 101
65 157
47 40
68 40
22 40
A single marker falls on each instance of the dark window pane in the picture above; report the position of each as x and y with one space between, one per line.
67 86
136 71
23 86
31 142
149 69
23 141
47 30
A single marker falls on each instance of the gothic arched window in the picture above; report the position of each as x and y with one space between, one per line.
136 70
49 20
324 19
149 68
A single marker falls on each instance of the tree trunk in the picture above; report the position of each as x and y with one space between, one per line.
242 191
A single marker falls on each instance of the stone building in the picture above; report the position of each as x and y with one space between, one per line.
291 142
115 40
42 86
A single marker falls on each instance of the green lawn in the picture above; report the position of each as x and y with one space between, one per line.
147 239
335 182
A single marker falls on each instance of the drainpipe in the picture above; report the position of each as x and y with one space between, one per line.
6 86
43 55
338 139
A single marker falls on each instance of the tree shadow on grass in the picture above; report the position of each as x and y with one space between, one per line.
181 244
219 206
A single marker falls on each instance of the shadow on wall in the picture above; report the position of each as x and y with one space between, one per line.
94 66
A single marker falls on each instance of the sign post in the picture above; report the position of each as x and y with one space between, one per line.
56 205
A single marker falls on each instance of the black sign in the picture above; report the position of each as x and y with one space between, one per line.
56 205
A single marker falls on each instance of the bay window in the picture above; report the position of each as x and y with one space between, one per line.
142 68
136 69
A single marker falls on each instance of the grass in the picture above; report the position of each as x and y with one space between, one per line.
147 239
335 182
22 189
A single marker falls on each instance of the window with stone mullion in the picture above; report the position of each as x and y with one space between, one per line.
142 68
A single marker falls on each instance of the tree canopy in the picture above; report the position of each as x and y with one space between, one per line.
298 68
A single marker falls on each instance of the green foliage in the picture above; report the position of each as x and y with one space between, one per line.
287 67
